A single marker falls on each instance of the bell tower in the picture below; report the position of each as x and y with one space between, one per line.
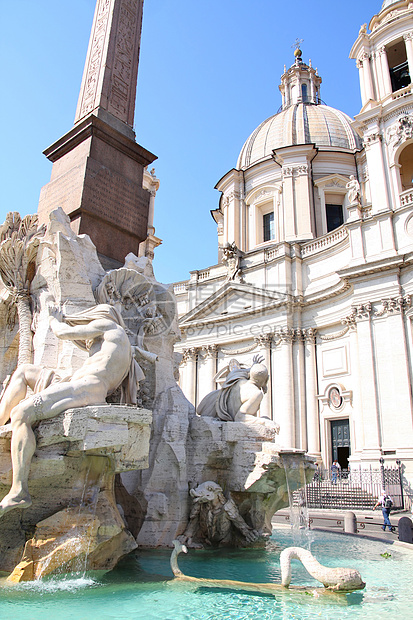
384 55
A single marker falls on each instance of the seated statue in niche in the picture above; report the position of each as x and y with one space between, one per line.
101 331
215 520
240 396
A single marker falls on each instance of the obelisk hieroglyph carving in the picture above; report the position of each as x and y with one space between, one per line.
98 168
111 68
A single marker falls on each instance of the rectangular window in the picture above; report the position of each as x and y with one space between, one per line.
398 65
268 224
334 214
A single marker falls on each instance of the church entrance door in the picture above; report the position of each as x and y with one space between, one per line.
340 441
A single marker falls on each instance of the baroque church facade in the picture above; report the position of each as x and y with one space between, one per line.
315 271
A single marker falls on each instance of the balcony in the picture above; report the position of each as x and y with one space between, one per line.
406 197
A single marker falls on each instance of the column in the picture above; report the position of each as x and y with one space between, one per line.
289 204
408 39
385 71
357 442
303 196
369 396
233 221
285 389
393 375
264 343
151 212
359 65
210 354
299 389
190 357
278 215
377 77
368 82
374 154
313 92
313 420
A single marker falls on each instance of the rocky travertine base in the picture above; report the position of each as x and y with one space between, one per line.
242 458
249 466
74 516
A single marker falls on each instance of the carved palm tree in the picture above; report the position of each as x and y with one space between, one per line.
18 249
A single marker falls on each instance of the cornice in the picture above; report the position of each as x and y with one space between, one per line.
361 270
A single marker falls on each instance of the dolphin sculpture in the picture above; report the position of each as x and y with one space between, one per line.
333 579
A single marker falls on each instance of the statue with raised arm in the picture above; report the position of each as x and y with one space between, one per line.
101 331
240 396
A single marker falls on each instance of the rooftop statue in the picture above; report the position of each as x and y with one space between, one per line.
240 396
101 331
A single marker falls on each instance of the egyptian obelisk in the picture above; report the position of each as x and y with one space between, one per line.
98 166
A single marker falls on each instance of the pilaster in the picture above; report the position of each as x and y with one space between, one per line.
264 342
361 314
375 161
285 388
299 389
189 387
313 420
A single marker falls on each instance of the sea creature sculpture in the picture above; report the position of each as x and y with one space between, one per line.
334 579
338 579
215 520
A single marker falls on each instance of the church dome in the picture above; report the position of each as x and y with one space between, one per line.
299 123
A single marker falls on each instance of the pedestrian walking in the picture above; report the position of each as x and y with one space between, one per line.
386 503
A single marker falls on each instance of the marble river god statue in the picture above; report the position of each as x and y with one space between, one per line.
240 396
101 331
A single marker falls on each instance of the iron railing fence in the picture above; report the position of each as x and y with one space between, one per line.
356 488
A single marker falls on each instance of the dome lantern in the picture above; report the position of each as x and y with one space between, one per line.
303 119
300 83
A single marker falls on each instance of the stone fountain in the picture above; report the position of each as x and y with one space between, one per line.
106 477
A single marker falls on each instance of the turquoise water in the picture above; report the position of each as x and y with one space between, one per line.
142 586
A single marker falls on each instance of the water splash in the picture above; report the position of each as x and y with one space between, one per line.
77 524
295 478
55 584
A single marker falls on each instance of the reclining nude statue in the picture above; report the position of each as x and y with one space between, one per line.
101 331
240 396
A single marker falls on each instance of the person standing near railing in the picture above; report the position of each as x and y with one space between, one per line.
335 470
386 503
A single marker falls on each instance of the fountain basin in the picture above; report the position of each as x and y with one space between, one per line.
141 586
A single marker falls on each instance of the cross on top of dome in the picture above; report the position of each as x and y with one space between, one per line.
297 51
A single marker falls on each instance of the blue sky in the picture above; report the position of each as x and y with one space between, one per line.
208 76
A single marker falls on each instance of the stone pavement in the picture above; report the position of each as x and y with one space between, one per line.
369 522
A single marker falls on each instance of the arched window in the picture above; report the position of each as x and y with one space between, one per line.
406 167
304 95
